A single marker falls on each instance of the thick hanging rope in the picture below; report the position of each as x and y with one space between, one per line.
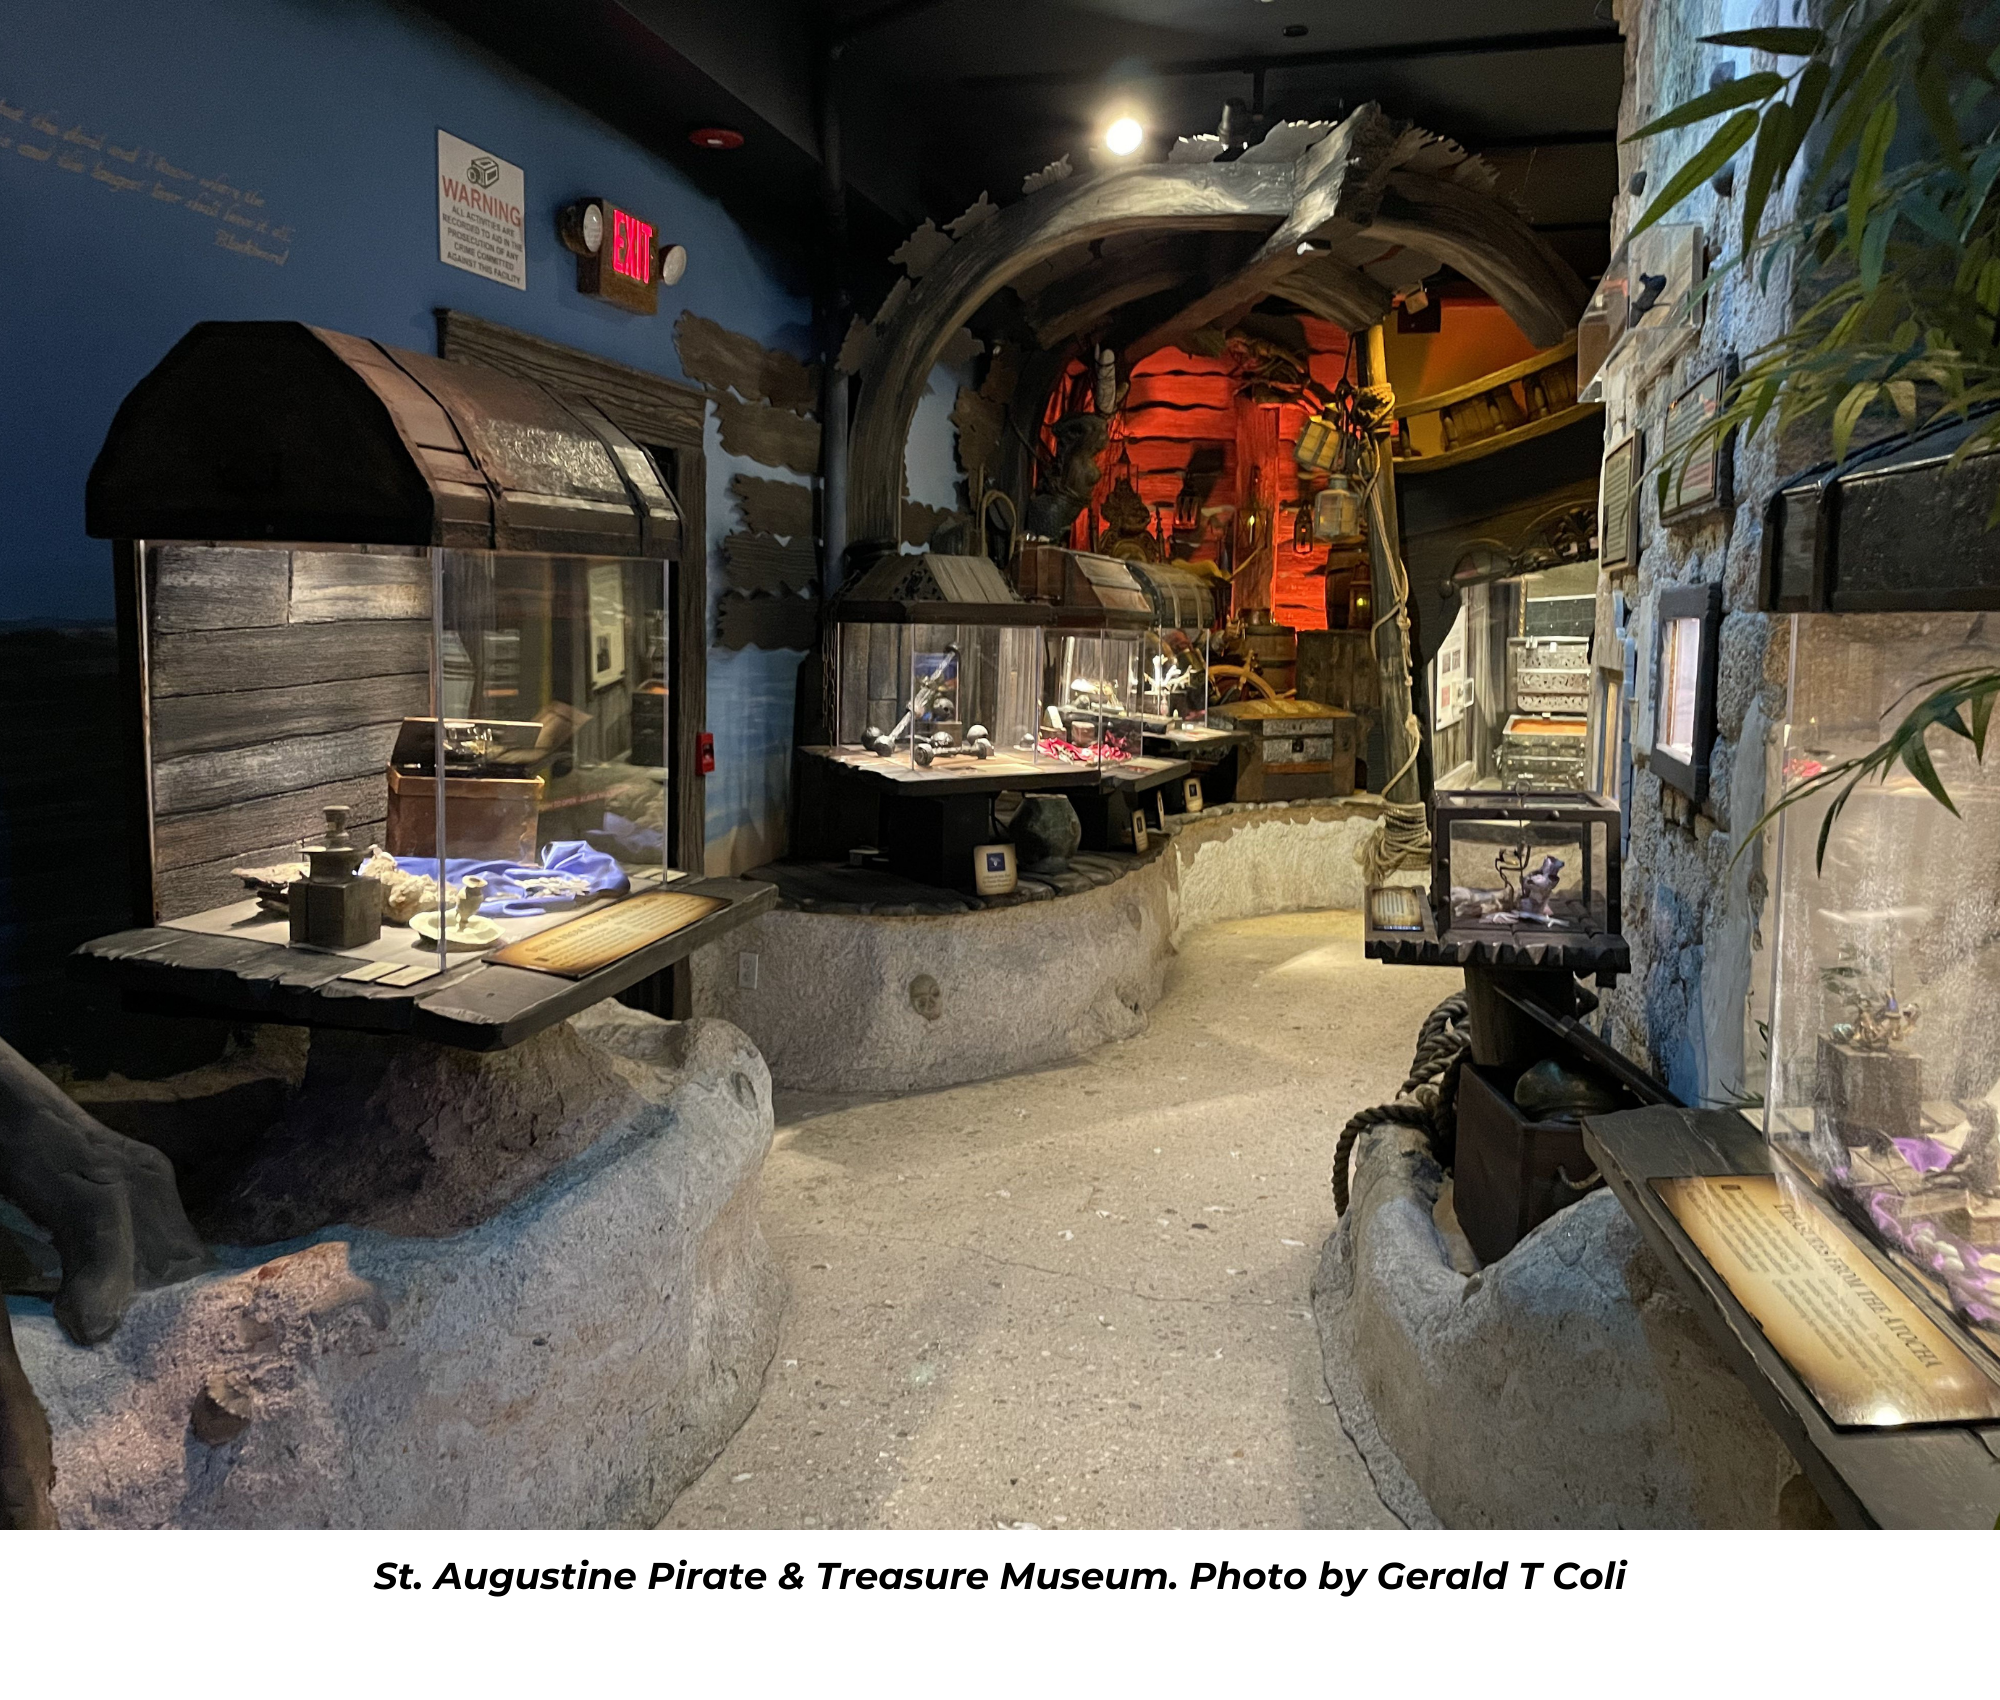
1402 838
1427 1099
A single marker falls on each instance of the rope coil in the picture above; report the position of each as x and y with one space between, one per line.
1427 1099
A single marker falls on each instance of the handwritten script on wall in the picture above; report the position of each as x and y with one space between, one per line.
241 221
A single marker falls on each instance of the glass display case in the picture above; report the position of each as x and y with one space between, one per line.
1519 879
1883 1086
942 697
407 761
1092 689
1510 684
1173 680
1530 867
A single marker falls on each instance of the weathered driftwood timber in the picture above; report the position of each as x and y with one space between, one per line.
781 621
756 562
108 1202
774 506
27 1467
773 436
728 360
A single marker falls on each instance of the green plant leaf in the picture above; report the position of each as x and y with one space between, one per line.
1848 415
1934 101
1809 92
1985 167
1793 43
1876 136
1742 91
1773 142
1916 757
1904 394
1705 164
1849 118
1875 246
1861 60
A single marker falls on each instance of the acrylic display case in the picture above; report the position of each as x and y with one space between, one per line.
403 748
941 697
1510 685
1173 679
1883 1085
1092 692
1518 879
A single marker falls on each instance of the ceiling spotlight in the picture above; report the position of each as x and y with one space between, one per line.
716 138
1124 136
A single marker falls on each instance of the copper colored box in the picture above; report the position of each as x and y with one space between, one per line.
489 815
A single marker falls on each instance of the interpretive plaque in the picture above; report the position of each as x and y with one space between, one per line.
595 941
1866 1352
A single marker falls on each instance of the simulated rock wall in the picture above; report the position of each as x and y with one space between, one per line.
898 1003
571 1360
1690 916
1566 1386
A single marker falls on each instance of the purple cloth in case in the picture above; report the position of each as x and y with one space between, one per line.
505 893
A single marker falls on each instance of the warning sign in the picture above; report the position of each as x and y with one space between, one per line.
482 209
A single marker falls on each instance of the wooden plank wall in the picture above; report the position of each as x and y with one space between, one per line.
278 680
764 402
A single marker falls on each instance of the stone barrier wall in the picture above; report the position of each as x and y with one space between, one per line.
896 1003
572 1361
1567 1386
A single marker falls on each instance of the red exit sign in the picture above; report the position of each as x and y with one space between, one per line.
619 256
631 247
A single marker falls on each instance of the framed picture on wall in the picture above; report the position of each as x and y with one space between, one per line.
607 624
1617 513
1707 481
1687 624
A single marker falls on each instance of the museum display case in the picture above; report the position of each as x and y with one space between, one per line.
1094 691
941 673
1510 683
411 716
1525 879
1883 1085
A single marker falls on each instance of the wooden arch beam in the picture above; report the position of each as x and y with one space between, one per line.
1337 293
1079 210
1359 177
1492 245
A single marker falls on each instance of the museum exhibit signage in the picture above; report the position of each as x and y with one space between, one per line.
594 941
1866 1352
1706 480
482 202
619 255
1617 528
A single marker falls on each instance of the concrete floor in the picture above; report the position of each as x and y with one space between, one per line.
1078 1297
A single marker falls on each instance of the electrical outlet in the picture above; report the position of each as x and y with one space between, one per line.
746 971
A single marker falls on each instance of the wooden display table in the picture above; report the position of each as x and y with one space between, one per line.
1936 1476
931 819
232 964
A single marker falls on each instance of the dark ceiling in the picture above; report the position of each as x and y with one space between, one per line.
942 99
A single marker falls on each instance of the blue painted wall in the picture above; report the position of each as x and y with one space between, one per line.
327 111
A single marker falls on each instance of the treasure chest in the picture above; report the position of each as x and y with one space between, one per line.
1544 752
1295 749
493 798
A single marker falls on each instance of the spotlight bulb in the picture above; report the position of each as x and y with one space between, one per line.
1124 136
